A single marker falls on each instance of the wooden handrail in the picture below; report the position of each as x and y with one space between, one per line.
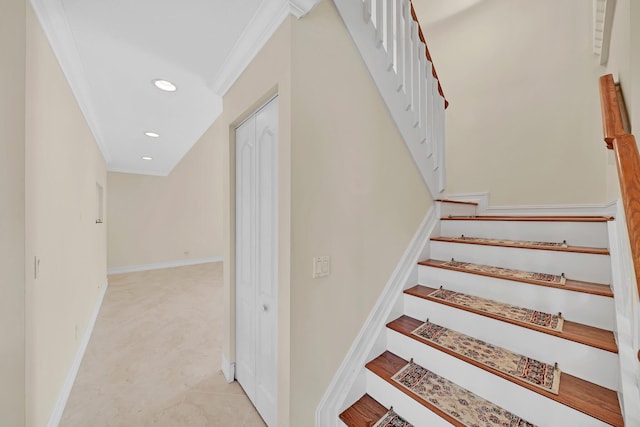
612 124
628 163
433 67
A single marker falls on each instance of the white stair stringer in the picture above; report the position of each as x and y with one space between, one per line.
576 266
523 402
572 357
588 309
589 234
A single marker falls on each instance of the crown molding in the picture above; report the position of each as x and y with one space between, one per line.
264 23
603 11
52 18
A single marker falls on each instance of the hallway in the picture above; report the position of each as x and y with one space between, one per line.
154 356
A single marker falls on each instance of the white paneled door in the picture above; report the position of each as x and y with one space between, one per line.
257 259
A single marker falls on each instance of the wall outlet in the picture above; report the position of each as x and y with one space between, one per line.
321 266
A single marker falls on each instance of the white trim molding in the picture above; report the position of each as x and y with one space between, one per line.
63 396
603 11
264 23
347 375
482 199
52 18
161 265
228 369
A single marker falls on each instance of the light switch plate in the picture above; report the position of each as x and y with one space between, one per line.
321 266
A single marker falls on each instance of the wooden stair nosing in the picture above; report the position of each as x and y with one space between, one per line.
572 331
570 285
459 202
365 412
576 249
387 365
542 218
589 398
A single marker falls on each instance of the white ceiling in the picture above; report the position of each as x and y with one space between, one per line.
111 51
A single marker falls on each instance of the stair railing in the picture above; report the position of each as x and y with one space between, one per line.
393 47
628 163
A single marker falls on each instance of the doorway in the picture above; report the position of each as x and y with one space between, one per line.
257 259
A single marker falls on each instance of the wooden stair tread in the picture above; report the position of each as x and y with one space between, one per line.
460 202
569 285
572 331
591 399
577 249
365 412
386 365
542 218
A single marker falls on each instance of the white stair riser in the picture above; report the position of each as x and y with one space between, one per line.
456 209
590 234
523 402
588 309
573 358
575 266
403 405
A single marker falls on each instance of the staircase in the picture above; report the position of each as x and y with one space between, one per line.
534 290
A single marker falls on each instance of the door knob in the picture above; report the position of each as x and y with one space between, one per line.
265 307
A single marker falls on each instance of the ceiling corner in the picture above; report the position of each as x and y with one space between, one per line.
299 8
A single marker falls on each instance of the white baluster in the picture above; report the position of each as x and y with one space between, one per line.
442 177
408 19
367 11
430 108
415 71
422 115
437 128
390 39
400 52
379 23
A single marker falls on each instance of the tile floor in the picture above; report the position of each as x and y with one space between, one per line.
154 356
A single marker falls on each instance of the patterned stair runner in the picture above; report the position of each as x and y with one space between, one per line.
506 273
536 373
504 242
499 309
391 419
457 402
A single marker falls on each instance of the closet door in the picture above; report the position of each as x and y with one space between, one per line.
256 259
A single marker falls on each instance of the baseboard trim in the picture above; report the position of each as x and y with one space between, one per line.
353 363
228 369
63 396
482 198
161 265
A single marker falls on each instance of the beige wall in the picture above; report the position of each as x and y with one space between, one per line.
524 119
63 165
356 196
155 219
12 69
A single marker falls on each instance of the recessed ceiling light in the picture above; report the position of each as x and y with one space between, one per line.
152 134
147 158
165 85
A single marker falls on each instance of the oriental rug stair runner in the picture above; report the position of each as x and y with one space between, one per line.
545 320
391 419
504 242
536 373
457 402
506 273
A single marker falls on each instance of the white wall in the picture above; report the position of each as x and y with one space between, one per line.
63 165
524 115
12 81
154 220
